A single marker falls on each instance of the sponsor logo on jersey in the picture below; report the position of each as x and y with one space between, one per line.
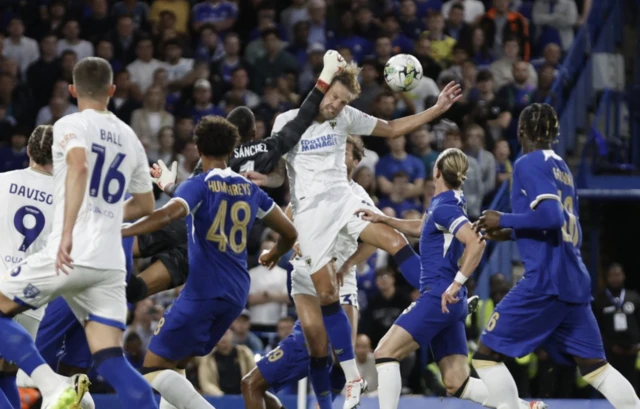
66 138
249 151
324 141
30 291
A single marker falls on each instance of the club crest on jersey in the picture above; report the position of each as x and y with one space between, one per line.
333 124
30 291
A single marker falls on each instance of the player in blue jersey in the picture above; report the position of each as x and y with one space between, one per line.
221 207
450 251
550 306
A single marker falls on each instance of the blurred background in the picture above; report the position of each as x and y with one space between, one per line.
176 61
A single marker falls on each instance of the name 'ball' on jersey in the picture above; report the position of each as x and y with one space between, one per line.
403 72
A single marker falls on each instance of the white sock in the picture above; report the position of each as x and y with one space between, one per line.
350 370
389 385
615 387
46 380
500 384
178 391
476 391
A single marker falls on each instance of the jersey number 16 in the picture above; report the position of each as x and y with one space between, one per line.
113 174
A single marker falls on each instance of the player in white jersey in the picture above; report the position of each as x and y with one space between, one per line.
324 206
96 158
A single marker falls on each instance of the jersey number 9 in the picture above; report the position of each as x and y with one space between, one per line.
570 227
113 174
240 217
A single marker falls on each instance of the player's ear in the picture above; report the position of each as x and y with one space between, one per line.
112 90
72 91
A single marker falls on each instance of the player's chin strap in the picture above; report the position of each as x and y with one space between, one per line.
150 373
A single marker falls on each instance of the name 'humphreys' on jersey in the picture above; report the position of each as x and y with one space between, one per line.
249 151
318 143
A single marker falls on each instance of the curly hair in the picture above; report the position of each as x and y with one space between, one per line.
357 147
39 145
539 123
215 136
349 78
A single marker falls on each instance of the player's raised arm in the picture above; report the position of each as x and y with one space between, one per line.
451 94
409 227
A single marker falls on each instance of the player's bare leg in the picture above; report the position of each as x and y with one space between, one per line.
254 390
608 381
163 375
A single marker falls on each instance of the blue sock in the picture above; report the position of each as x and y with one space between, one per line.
132 389
10 389
17 346
339 330
338 381
409 264
320 380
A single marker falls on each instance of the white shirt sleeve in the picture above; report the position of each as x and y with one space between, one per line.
140 178
282 120
359 123
68 134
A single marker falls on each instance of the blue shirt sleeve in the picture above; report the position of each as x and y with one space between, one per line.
537 180
449 217
190 193
264 202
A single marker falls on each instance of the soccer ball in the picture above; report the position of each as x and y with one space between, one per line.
403 72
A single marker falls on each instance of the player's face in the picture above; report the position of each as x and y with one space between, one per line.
334 101
615 278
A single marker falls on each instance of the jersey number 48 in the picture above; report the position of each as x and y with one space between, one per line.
240 217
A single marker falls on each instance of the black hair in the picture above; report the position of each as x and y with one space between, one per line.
243 118
484 75
357 147
268 31
458 6
539 123
92 77
215 136
39 145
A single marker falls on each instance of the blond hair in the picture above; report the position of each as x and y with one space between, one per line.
349 78
453 164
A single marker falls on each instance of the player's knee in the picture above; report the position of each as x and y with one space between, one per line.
328 296
455 381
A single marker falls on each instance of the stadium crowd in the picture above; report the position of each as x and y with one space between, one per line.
176 61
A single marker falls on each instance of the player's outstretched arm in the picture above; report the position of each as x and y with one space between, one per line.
138 205
548 215
75 187
278 221
451 94
273 179
409 227
162 217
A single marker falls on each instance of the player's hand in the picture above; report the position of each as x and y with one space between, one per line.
333 62
369 215
162 176
489 221
450 296
451 94
256 177
269 258
63 259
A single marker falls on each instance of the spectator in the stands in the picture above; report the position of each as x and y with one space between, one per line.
399 160
286 85
221 13
147 121
138 10
369 85
176 65
504 168
68 60
317 18
167 28
221 372
473 187
16 98
240 89
422 51
475 147
502 69
472 9
222 68
516 96
274 63
122 104
268 298
459 56
7 124
345 38
398 198
201 104
543 93
399 42
383 51
180 8
298 47
187 159
18 47
142 69
293 15
365 25
124 39
555 21
429 193
456 27
441 43
478 49
487 111
209 47
312 68
242 334
166 146
43 73
421 142
98 23
500 23
14 155
71 40
366 362
104 50
54 16
551 55
410 24
56 109
184 129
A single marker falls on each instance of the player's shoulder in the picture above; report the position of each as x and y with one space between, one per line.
451 200
76 119
287 115
359 190
539 160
